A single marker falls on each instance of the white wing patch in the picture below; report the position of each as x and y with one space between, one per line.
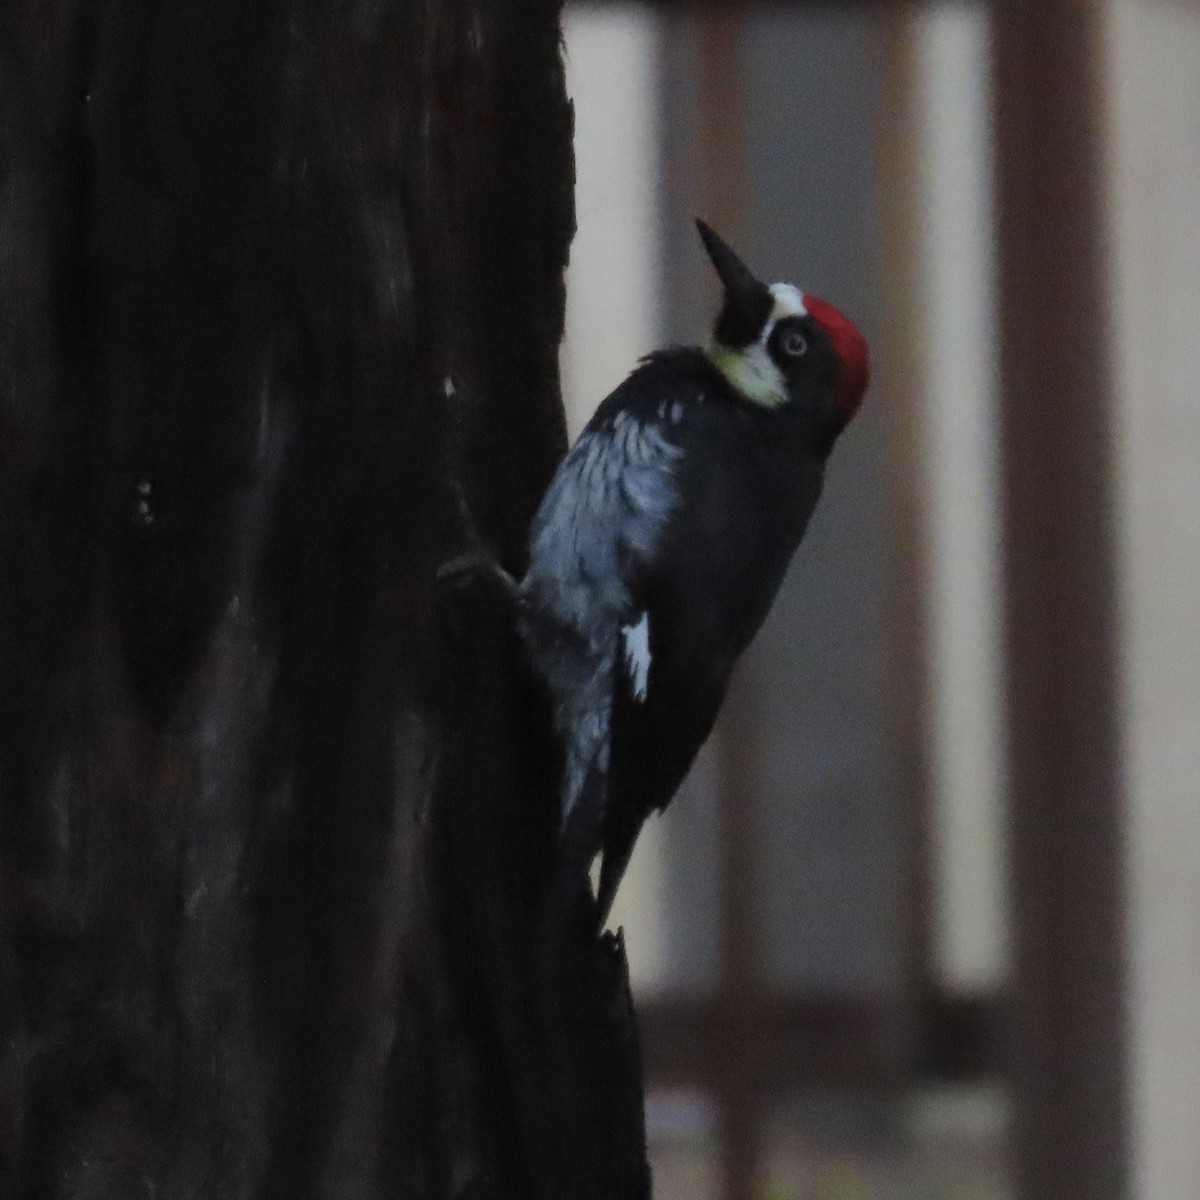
636 645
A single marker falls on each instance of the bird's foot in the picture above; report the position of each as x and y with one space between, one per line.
476 569
472 585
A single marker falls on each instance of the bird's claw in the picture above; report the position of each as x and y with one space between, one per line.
476 567
472 585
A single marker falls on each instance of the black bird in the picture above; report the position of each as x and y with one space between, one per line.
661 542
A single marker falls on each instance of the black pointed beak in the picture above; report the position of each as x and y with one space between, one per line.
748 301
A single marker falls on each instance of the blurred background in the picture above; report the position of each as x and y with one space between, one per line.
925 921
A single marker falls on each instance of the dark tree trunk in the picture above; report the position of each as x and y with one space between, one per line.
280 301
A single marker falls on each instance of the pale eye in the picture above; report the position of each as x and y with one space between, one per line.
794 344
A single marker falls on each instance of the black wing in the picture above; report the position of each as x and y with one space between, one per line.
747 490
656 735
679 644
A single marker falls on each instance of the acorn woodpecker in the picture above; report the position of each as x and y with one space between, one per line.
662 540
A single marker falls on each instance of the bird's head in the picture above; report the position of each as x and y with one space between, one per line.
777 345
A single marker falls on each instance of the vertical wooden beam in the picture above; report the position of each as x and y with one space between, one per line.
907 635
721 127
1068 1070
721 174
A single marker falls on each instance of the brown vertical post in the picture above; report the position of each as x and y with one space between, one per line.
1068 1077
721 134
907 681
721 128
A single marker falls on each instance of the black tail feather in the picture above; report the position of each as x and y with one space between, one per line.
620 837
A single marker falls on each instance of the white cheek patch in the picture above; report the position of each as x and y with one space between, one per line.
753 374
636 640
751 369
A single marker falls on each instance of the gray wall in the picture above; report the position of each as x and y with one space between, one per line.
831 875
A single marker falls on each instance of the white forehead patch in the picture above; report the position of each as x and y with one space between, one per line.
789 302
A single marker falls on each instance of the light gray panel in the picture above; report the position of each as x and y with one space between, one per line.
831 870
830 874
690 830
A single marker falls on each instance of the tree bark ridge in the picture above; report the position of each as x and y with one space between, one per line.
279 317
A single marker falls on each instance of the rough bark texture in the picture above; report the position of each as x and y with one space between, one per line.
280 300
